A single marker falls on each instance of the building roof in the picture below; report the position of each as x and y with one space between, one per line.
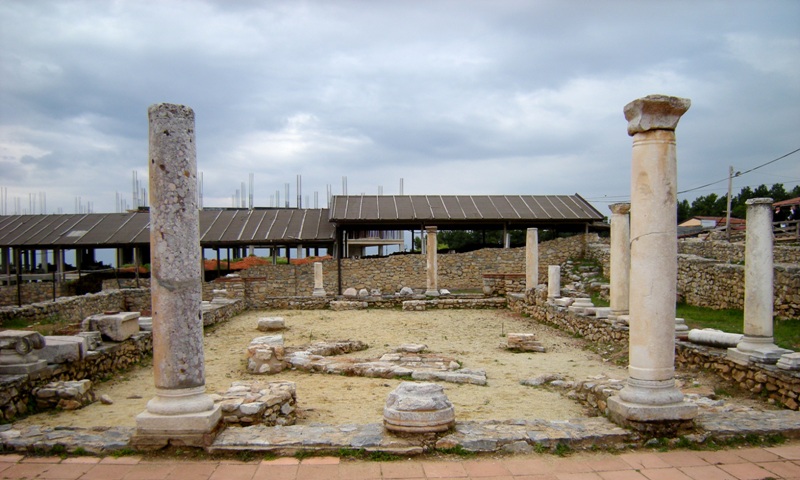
791 201
218 228
463 211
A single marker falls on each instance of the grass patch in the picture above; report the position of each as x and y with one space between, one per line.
786 332
457 450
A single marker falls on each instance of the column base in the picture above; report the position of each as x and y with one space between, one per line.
318 292
431 293
756 349
190 429
657 420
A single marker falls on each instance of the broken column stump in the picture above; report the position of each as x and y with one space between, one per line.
418 408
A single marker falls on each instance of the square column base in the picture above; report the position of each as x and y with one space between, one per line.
766 354
318 292
659 420
431 293
190 429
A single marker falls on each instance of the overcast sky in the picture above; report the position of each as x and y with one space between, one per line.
454 97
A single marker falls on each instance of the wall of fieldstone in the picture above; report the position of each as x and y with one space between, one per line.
710 282
16 391
503 283
110 358
781 386
31 292
75 309
389 274
734 252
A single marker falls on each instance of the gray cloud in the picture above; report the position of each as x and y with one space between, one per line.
454 97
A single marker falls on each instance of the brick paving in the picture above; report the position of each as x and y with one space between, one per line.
782 462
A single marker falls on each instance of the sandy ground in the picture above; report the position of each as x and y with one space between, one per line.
471 336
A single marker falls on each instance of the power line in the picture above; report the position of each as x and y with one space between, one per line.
739 174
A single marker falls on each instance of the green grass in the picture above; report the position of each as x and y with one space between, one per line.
786 332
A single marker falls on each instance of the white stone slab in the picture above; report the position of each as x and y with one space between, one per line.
117 326
63 348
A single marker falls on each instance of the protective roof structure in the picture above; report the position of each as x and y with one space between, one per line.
462 211
228 227
218 228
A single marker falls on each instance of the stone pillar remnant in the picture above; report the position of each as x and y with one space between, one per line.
418 408
531 259
181 410
620 259
650 399
17 352
758 343
432 268
319 289
553 282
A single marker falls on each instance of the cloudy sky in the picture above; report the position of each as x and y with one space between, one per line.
454 97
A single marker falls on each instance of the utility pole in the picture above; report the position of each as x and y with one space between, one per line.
728 214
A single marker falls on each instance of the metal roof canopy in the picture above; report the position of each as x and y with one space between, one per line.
218 228
461 211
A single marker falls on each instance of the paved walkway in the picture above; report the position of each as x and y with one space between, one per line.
782 462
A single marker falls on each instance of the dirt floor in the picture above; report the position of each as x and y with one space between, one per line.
473 337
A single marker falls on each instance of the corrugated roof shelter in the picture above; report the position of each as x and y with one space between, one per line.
462 211
218 228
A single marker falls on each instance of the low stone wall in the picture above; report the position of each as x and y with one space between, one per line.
122 283
734 252
16 391
451 303
708 282
75 309
503 283
31 292
779 385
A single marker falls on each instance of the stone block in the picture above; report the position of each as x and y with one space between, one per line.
146 324
524 342
714 338
93 339
266 355
63 349
789 361
116 327
271 324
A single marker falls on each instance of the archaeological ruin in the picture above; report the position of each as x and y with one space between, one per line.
418 352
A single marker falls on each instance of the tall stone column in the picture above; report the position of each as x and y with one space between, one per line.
319 288
431 267
553 282
650 399
531 258
620 259
180 411
758 343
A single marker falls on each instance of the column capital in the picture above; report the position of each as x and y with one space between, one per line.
431 229
655 112
759 201
620 208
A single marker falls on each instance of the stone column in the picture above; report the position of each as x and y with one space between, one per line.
620 259
431 266
531 258
319 288
553 282
758 343
180 411
650 400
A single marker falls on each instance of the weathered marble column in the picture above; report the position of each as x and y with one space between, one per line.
180 409
650 399
620 259
758 343
431 266
319 289
553 282
531 258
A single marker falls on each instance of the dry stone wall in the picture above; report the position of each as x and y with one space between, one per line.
781 386
710 282
31 292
